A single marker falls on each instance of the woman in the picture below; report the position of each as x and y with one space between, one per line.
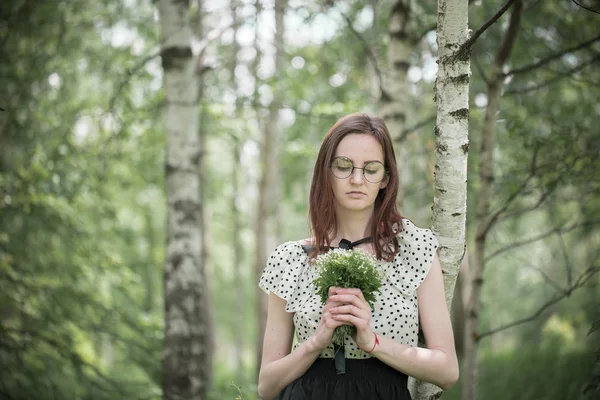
353 201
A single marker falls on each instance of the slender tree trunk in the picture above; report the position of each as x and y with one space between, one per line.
267 223
185 350
236 241
395 92
452 142
237 260
457 310
486 181
260 245
205 254
149 273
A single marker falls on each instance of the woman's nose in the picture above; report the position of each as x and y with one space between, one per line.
357 176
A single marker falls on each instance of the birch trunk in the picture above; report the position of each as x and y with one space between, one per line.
184 358
486 181
237 260
395 92
267 223
205 254
452 143
236 240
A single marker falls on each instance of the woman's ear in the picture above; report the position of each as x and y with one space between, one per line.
383 184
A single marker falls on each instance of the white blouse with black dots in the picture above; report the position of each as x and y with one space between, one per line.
395 315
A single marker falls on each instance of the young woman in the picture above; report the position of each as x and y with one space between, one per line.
353 203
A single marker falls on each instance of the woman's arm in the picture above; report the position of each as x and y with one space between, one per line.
279 366
437 363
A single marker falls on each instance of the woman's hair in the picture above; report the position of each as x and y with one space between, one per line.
386 220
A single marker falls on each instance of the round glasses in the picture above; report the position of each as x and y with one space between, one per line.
373 171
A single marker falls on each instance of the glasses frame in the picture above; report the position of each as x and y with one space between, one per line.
385 171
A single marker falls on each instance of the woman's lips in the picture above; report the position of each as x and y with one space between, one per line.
356 195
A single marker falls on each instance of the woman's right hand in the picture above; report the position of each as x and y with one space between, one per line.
324 333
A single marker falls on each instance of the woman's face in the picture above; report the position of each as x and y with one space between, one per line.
355 193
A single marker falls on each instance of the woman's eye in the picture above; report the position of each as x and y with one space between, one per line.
342 165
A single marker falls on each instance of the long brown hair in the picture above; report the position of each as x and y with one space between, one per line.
386 220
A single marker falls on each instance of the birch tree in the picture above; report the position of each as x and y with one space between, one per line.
394 101
236 239
185 352
486 179
267 218
452 144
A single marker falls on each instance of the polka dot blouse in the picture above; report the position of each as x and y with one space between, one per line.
289 275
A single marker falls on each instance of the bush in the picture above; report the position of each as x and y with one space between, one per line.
546 373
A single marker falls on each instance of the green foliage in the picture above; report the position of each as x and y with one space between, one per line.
594 386
347 269
528 372
82 191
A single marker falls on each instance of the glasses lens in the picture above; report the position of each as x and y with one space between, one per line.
374 171
341 168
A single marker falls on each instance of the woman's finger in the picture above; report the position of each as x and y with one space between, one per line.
350 309
349 299
355 291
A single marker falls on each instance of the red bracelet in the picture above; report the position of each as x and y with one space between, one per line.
376 343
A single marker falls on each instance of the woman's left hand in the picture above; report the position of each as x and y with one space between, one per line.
354 311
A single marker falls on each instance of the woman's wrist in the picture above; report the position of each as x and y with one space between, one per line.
312 345
372 344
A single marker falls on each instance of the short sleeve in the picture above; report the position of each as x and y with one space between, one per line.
286 275
417 247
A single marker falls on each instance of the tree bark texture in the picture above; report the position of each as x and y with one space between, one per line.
267 222
236 240
452 143
205 254
486 182
185 351
395 92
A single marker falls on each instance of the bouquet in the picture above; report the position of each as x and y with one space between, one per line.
348 269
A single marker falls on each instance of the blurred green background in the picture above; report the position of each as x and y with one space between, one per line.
82 196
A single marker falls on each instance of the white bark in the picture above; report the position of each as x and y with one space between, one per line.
486 178
395 97
236 240
268 221
184 372
450 198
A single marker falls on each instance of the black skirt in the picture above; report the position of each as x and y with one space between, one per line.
368 379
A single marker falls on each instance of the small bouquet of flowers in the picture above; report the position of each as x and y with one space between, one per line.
348 269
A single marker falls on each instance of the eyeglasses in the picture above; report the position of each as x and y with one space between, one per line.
373 171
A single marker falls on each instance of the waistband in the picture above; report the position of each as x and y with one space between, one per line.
368 369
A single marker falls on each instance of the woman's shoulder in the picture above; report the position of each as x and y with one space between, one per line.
285 273
292 249
417 247
408 231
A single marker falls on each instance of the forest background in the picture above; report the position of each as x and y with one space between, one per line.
83 198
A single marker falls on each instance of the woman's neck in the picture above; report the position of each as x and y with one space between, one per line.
352 226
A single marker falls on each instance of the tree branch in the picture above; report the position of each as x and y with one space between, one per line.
415 127
469 43
130 73
583 278
597 11
554 79
568 264
495 216
510 36
367 50
539 237
552 57
544 275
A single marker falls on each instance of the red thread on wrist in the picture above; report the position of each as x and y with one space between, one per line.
375 344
